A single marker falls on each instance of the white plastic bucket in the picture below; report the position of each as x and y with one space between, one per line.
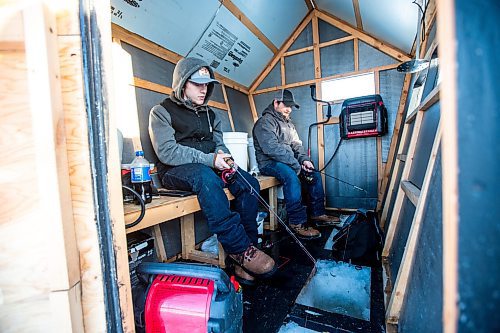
252 160
237 143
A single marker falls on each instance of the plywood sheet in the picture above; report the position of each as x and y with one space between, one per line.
356 163
262 101
425 286
217 94
400 236
273 79
423 147
391 88
224 118
337 59
304 39
148 66
240 110
146 99
370 57
299 67
328 32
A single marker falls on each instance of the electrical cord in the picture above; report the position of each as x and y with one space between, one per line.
331 158
143 207
328 116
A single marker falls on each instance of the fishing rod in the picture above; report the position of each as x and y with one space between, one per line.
340 180
254 192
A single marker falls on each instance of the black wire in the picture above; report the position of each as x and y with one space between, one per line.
309 134
331 158
143 207
422 20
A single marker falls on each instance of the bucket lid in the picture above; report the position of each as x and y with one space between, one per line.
235 135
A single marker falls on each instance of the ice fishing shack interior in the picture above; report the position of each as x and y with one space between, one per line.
421 151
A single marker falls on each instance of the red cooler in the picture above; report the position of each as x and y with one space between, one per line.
191 298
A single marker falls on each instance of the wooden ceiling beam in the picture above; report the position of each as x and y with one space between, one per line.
280 53
311 4
372 41
357 13
249 24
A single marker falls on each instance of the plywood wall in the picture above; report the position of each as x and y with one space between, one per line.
51 277
40 281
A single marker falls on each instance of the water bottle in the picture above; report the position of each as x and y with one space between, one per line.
141 179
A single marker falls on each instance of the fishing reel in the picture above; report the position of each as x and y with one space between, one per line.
228 176
306 177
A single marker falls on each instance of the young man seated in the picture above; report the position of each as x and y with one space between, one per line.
186 135
279 153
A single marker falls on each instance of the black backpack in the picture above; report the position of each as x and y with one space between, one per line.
360 241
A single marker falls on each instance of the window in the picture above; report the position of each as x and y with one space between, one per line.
348 87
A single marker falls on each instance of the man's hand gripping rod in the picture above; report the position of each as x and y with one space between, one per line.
262 201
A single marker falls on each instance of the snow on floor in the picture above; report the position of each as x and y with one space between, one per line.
339 287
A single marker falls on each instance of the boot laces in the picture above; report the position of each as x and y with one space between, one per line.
247 255
250 253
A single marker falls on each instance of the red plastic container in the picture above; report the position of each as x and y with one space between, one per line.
178 304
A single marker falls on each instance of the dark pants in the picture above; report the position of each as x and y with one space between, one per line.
293 187
235 229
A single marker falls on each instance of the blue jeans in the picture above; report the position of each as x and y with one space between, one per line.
293 187
235 229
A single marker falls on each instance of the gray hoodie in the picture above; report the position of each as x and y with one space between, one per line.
162 134
275 138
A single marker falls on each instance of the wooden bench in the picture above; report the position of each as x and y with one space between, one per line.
164 209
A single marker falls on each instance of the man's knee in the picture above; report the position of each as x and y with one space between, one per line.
255 183
207 177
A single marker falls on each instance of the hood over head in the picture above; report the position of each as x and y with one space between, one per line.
183 71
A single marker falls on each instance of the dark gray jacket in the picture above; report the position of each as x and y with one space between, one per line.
161 131
275 138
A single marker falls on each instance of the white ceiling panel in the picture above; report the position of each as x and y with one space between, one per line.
231 49
276 19
343 9
174 24
391 21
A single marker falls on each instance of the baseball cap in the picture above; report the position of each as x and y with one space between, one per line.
286 96
202 76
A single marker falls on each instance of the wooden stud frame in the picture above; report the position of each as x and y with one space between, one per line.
400 287
446 22
397 162
403 191
383 171
395 138
424 106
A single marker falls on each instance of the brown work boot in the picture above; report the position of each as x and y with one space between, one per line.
243 277
325 220
255 262
305 232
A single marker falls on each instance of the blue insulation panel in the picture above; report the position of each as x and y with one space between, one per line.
391 88
425 286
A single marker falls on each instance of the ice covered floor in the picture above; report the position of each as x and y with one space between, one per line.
294 328
340 288
275 305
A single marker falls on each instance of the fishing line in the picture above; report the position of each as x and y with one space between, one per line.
342 181
265 204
